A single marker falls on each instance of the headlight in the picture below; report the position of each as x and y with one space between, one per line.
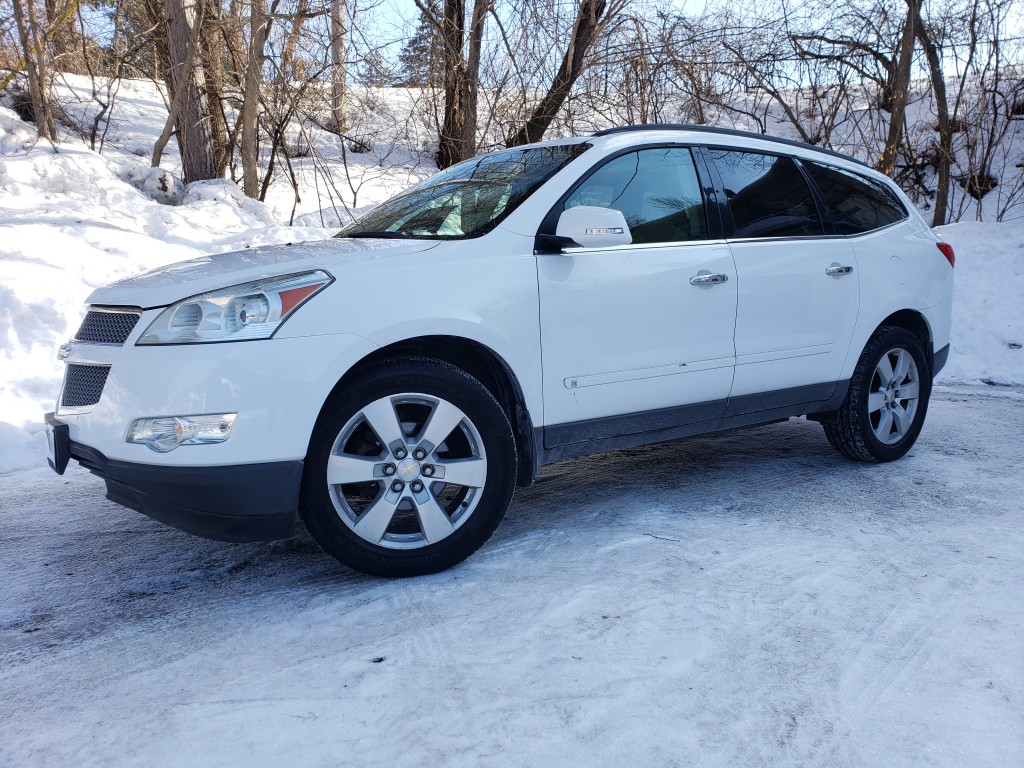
238 313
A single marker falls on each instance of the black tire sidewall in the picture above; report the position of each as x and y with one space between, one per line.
883 343
429 377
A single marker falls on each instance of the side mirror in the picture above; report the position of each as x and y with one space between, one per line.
594 227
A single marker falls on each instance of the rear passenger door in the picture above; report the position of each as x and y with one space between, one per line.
867 212
798 282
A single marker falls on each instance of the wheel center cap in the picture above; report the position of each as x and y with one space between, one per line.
408 470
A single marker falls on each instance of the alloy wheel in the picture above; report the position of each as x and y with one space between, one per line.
893 395
406 470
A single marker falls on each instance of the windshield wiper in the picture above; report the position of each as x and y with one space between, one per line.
381 234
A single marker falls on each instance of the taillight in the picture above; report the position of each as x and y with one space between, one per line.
947 251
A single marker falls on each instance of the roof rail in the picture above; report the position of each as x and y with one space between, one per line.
728 132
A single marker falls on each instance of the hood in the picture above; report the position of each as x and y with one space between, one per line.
174 282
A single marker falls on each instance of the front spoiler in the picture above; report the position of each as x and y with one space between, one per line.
939 360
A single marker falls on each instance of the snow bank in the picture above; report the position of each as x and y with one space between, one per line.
159 183
70 224
988 314
19 449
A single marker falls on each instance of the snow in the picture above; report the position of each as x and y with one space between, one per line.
749 599
70 224
752 599
988 313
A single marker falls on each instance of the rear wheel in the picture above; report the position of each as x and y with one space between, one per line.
410 469
885 407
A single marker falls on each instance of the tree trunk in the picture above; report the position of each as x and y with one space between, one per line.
176 98
193 128
231 31
287 69
60 41
211 49
251 99
450 148
584 32
34 52
472 84
945 127
901 90
339 67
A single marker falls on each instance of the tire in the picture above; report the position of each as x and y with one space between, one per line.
886 404
378 504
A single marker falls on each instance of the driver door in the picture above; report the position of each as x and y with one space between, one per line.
629 343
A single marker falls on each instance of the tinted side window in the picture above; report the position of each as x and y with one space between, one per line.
855 203
657 191
767 195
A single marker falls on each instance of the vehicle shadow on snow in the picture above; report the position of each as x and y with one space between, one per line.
692 475
113 566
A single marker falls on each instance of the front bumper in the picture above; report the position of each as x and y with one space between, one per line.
276 387
247 502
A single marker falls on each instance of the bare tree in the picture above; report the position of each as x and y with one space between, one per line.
251 97
64 48
457 136
33 51
584 31
192 124
339 67
944 153
901 89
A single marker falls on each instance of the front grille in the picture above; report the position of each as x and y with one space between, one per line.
107 327
83 385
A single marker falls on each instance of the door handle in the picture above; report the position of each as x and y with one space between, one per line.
708 279
835 269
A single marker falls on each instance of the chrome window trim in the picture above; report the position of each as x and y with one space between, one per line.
784 238
877 230
641 246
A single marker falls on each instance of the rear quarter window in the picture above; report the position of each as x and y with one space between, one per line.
856 204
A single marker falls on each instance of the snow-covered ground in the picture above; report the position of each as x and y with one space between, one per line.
747 600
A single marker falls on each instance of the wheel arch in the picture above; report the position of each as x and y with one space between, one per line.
917 324
480 362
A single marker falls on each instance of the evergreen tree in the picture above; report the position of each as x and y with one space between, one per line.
374 71
421 60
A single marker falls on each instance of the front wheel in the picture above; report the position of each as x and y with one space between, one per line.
409 470
885 407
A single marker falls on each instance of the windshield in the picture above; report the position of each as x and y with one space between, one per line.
468 199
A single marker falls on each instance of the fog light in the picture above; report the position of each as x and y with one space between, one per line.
166 433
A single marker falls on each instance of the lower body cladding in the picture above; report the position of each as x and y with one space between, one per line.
248 502
258 501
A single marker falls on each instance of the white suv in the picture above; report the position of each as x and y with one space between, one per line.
393 385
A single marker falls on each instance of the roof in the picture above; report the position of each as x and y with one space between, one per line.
729 132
